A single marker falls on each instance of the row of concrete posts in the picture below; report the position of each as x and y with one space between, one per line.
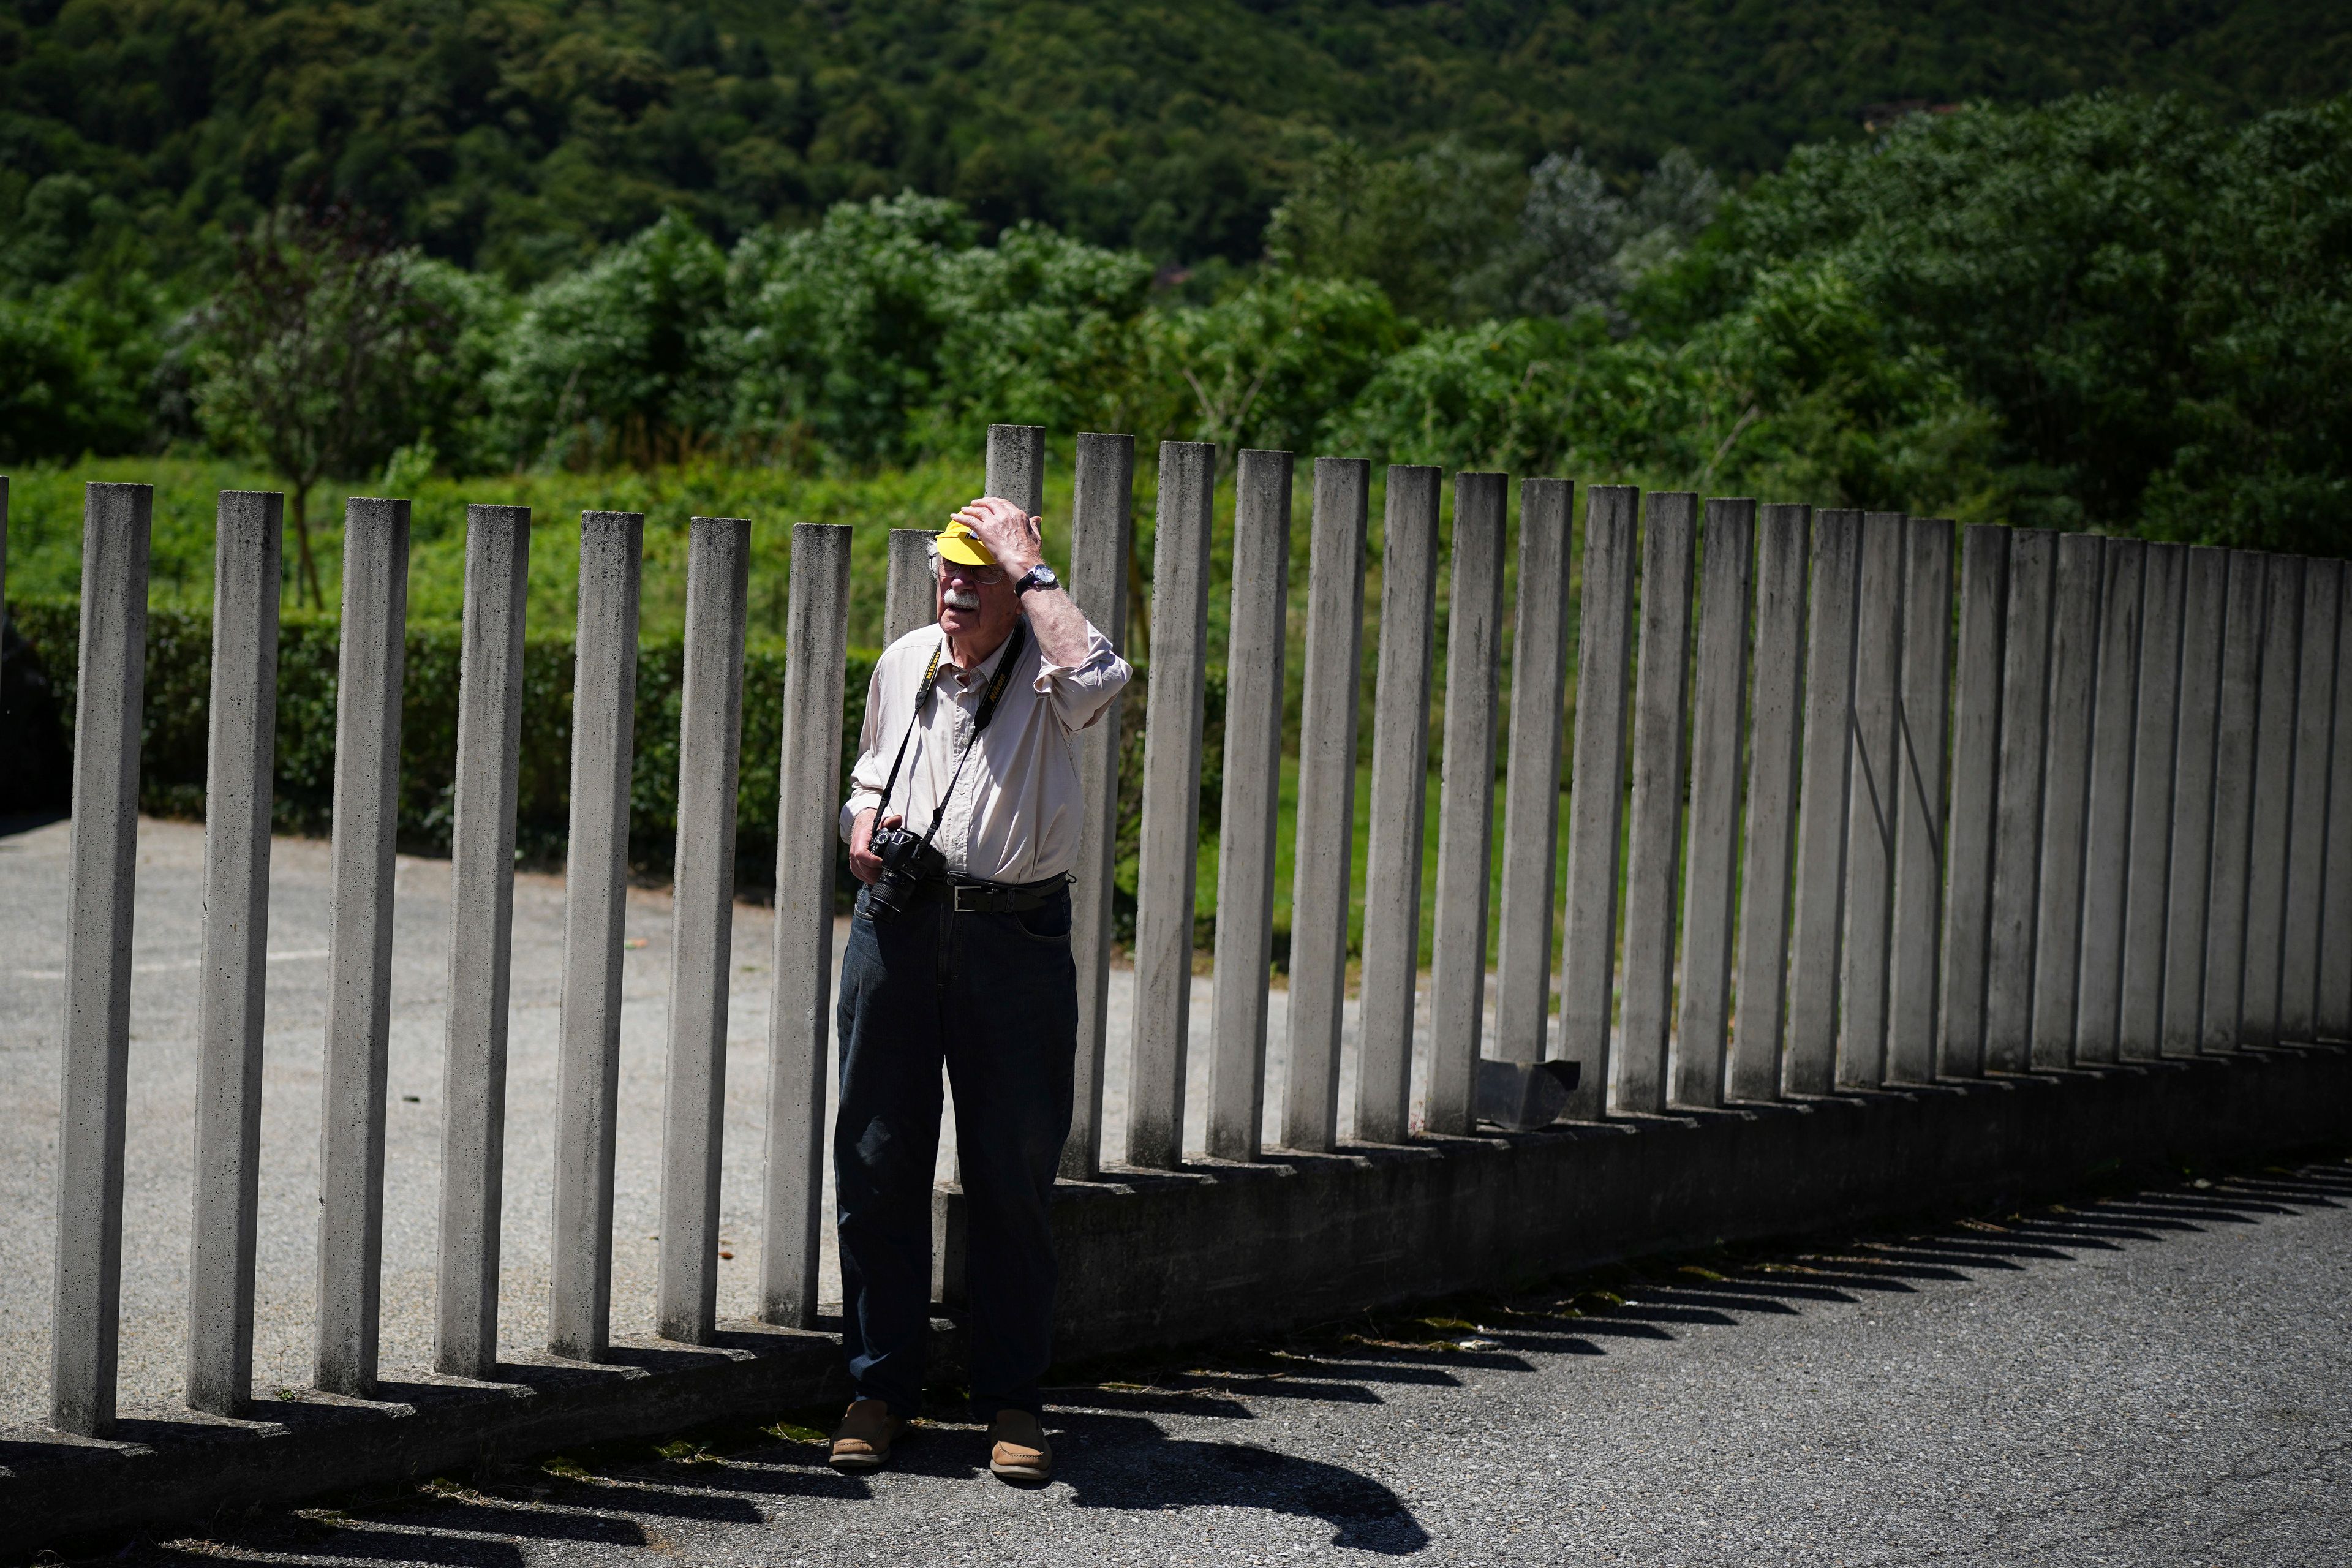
1850 802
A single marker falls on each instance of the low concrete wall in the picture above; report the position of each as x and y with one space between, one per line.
1215 1250
1164 1258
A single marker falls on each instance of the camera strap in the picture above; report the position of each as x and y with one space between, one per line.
1014 644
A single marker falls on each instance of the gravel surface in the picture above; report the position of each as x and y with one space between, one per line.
2162 1378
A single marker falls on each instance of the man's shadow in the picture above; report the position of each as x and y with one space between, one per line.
1127 1461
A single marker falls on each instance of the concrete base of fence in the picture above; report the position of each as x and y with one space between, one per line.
179 1467
1152 1257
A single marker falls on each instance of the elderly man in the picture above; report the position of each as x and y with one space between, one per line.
963 820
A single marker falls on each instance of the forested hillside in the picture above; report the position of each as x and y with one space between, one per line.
522 135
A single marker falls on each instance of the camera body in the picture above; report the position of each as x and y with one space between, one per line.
906 859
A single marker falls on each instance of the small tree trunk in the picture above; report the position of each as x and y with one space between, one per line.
307 575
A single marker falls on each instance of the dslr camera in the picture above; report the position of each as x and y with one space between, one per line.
907 859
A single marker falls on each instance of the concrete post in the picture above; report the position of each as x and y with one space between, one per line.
2335 1020
2139 1017
1719 731
368 671
2236 736
2106 840
1968 836
2273 798
1531 778
240 759
1102 528
588 1063
2065 795
2017 812
1921 723
1254 687
1465 810
912 596
1768 845
1171 810
2307 846
1596 805
800 1019
710 714
1874 777
1809 1064
1400 775
2205 608
104 860
1637 1067
481 939
2306 851
1016 465
1326 800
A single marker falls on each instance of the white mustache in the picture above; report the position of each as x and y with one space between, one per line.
959 598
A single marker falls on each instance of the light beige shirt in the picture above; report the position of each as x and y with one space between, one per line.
1016 816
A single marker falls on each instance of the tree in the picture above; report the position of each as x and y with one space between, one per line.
309 358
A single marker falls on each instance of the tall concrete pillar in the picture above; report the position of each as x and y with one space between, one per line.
2205 608
1637 1067
1873 775
240 759
1969 834
912 596
1710 867
1596 804
2272 798
369 673
103 859
800 1018
1102 527
2139 1014
2236 736
2335 1020
1326 800
1399 776
2106 840
2306 859
2010 951
702 925
1531 776
1769 845
1465 811
1016 465
1808 1065
1254 688
481 939
2065 794
1921 725
1171 812
596 885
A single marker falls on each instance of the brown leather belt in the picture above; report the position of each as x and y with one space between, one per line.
969 897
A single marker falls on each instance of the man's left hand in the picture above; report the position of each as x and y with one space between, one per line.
1011 535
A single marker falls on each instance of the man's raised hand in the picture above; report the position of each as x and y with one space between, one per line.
1011 535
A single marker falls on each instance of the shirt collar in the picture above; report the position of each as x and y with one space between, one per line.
977 676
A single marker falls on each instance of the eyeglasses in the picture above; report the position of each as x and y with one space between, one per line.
986 576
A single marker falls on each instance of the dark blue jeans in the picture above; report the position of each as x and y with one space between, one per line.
995 996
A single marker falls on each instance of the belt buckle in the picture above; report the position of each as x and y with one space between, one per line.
960 889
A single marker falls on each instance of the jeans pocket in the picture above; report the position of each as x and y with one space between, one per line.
1048 923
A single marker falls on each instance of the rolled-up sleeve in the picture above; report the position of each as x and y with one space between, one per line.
1078 693
871 769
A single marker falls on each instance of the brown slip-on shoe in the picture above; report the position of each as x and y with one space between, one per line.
867 1432
1018 1450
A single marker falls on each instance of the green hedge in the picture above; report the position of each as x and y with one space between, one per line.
178 702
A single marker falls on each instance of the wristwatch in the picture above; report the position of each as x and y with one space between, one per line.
1038 576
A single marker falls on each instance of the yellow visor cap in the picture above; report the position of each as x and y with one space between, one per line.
959 544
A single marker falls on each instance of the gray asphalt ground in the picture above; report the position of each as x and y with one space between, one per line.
160 1148
2160 1379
